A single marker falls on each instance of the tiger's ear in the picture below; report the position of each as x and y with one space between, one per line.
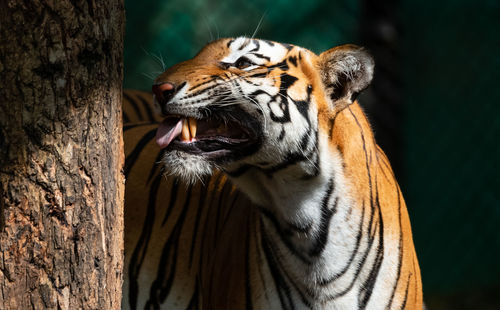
345 71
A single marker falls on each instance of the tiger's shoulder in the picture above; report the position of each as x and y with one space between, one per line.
138 107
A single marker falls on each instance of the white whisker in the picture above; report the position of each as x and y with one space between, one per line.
157 59
258 25
208 27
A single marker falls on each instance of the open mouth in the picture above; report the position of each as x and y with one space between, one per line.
214 138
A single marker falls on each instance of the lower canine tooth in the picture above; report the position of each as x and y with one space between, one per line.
192 127
185 130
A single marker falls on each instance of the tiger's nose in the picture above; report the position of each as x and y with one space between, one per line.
164 91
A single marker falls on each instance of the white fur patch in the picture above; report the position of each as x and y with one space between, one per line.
191 168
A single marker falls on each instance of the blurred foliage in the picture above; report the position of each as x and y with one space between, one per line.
176 30
450 127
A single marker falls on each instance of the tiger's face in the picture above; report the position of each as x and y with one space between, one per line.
243 103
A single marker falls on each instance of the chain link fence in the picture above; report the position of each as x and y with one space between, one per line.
451 130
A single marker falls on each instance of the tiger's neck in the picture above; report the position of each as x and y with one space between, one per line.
305 221
296 209
326 233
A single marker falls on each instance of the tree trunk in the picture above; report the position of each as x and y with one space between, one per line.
61 186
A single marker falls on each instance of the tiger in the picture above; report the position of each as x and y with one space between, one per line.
259 185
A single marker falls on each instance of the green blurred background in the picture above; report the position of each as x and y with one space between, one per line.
434 104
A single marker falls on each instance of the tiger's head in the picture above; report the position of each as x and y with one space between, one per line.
246 103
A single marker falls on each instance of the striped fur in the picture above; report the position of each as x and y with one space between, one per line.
138 108
324 226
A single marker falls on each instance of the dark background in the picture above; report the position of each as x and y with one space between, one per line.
434 104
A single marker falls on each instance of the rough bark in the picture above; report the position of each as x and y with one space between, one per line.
61 186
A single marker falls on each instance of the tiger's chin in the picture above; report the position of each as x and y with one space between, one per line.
190 168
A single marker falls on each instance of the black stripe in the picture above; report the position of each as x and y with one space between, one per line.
280 65
403 305
126 119
134 155
134 106
257 45
315 166
162 285
201 204
245 44
172 199
280 284
282 133
356 274
147 107
283 236
289 47
156 166
220 205
303 106
286 82
372 277
303 298
298 228
331 122
270 43
284 108
258 74
199 85
287 277
261 56
387 178
292 158
140 250
257 93
134 125
330 279
381 157
326 217
194 301
207 90
232 205
180 86
400 258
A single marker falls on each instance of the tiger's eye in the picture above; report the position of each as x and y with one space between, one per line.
243 63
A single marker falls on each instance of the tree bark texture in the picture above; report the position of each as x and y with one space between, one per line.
61 186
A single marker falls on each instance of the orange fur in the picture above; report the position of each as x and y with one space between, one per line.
373 175
228 221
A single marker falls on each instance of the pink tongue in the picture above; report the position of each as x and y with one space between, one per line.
168 130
